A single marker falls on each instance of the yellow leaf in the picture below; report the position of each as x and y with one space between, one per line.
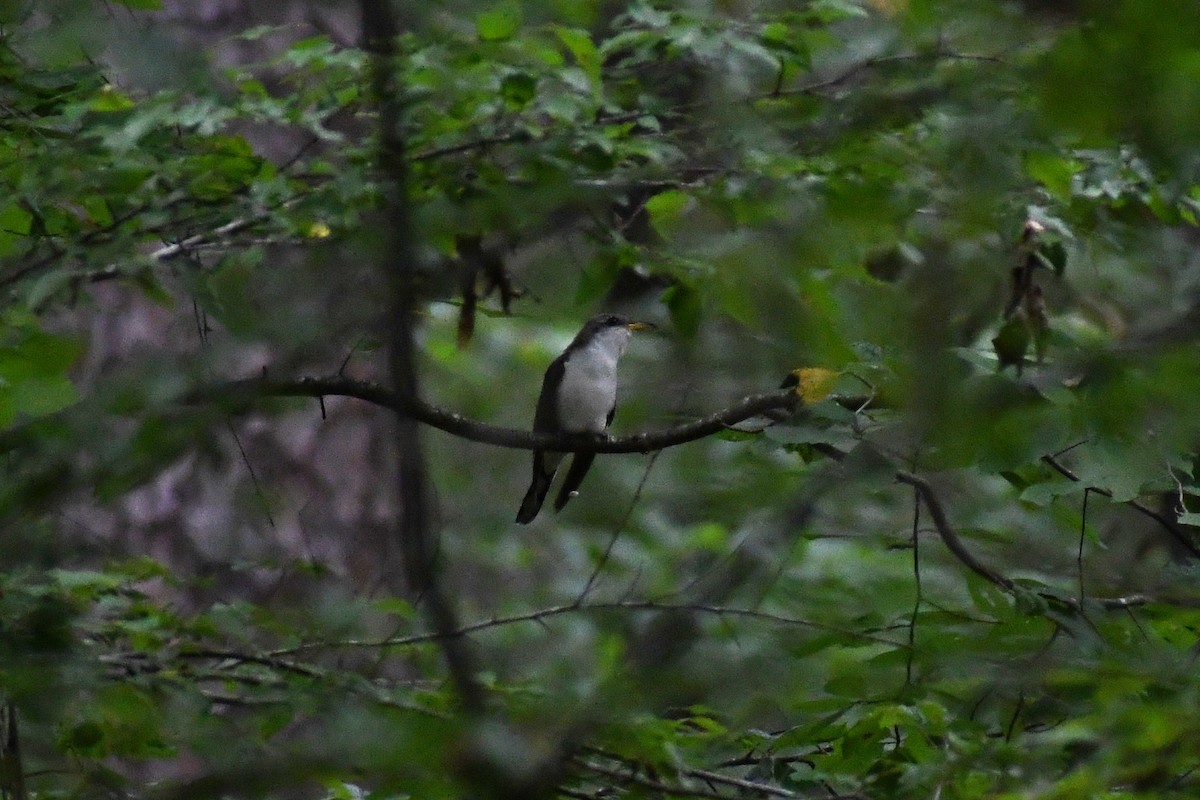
319 230
814 384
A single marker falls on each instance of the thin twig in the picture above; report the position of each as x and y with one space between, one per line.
740 783
631 777
259 492
616 534
912 624
955 545
695 772
596 607
949 536
466 147
1079 555
854 69
1181 505
1069 448
271 661
1012 723
1184 540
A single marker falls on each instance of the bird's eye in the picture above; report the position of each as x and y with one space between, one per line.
613 319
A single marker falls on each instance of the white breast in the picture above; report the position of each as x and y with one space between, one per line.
589 385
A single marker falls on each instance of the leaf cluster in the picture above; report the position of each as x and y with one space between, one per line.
937 576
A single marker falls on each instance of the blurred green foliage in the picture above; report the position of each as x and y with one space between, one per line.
832 184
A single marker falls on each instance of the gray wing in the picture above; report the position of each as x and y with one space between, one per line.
545 418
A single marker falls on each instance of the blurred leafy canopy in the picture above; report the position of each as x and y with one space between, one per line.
833 185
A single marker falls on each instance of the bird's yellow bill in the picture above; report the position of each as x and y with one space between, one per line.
640 326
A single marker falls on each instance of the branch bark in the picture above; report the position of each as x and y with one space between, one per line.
12 768
955 545
630 776
1178 535
541 615
398 264
949 536
412 407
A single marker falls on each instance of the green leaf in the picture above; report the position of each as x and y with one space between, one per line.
1053 171
1011 343
142 5
666 208
41 396
735 299
710 536
85 739
97 210
131 719
88 582
229 293
518 89
1045 492
583 50
40 354
498 23
1053 255
776 33
395 606
686 309
15 224
109 98
594 280
1124 468
46 287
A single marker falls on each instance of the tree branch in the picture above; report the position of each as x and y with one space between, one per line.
12 767
708 776
239 392
630 776
398 265
1178 535
949 536
542 614
860 66
955 545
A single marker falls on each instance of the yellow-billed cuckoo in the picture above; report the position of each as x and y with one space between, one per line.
579 395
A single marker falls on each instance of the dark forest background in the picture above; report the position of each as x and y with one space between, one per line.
278 285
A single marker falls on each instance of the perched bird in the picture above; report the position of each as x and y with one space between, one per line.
579 395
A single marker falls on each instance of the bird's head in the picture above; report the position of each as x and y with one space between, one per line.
611 331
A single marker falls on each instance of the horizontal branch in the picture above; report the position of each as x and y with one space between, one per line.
708 776
633 776
542 614
248 390
860 66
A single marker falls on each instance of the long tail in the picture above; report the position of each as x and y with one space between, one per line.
543 474
579 467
